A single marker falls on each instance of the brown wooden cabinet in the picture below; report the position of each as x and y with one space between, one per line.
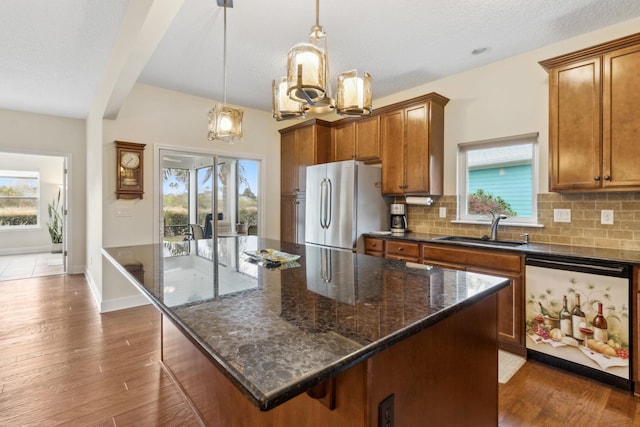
412 141
500 263
292 212
374 247
405 251
302 145
357 140
594 122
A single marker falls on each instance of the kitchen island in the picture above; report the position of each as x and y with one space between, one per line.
330 338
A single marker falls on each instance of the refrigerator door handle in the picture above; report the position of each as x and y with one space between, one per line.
328 203
323 189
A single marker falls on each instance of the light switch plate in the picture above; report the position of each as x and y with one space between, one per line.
124 212
606 216
562 215
443 212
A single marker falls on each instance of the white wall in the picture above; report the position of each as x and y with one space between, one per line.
51 171
31 133
505 98
177 121
173 120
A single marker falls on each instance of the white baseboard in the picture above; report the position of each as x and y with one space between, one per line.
30 250
122 303
116 303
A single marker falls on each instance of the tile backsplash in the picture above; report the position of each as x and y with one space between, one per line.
584 229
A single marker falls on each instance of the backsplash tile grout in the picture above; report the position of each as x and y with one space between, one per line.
583 230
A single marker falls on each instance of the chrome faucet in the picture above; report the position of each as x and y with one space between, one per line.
495 221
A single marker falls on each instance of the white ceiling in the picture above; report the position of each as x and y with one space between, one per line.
53 54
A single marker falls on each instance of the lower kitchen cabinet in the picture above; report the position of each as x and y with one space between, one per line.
374 247
499 263
404 251
292 210
495 262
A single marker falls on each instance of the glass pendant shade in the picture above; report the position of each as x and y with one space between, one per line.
225 124
284 107
353 97
306 73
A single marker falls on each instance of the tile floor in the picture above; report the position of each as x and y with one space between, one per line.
30 265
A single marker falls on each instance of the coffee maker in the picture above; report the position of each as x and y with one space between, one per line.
398 218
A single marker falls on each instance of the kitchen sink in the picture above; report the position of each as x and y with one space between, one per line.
480 241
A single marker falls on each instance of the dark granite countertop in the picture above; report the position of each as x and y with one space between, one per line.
581 252
275 333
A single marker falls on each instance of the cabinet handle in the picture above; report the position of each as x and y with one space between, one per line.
596 178
373 245
607 178
400 248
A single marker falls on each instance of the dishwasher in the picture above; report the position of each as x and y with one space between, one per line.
577 316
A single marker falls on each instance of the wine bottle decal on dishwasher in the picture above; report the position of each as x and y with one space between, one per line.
577 320
565 318
600 332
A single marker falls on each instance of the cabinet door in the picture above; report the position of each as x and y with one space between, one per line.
288 166
367 139
392 141
343 142
292 211
417 149
306 153
575 160
621 118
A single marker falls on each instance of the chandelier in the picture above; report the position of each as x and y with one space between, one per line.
225 122
307 88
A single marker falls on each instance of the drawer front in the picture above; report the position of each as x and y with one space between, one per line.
373 245
489 259
408 250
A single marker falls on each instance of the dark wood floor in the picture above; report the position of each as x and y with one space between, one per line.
63 363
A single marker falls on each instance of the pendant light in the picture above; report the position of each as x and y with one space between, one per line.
307 82
225 122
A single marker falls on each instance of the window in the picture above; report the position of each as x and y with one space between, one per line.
19 199
498 176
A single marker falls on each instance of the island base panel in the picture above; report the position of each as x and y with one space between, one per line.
444 375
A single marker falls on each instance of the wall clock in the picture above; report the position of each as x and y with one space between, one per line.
130 170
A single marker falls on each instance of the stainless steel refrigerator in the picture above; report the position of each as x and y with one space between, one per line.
344 200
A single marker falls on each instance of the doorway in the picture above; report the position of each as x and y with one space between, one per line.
187 195
33 215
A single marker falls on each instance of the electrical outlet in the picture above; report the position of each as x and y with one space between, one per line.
443 212
606 216
562 215
385 412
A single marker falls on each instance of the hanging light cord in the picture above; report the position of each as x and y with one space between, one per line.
224 58
317 32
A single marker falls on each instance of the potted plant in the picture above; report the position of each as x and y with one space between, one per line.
55 224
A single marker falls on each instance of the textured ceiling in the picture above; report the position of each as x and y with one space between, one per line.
53 53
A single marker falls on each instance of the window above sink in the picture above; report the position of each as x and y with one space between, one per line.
498 175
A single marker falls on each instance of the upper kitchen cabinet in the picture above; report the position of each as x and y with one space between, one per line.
412 140
302 145
357 140
594 121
